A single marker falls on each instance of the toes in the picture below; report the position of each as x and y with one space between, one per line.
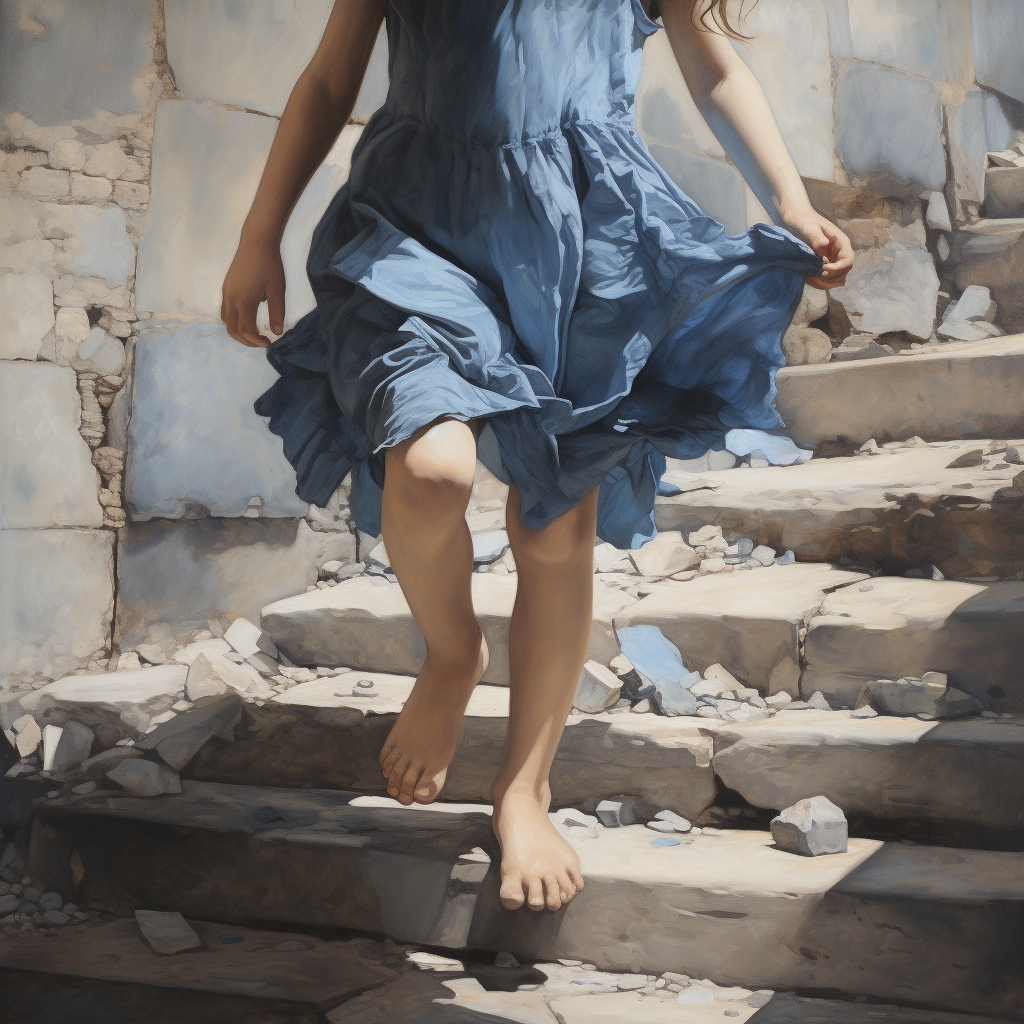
511 894
429 786
389 762
567 887
409 783
552 892
575 876
535 900
386 751
397 776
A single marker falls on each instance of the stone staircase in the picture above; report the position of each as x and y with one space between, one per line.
286 826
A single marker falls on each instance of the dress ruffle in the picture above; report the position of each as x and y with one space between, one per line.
561 287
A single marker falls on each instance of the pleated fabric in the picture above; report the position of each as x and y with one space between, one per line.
507 249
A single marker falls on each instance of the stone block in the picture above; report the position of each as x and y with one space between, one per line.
180 573
811 827
56 599
196 447
908 156
145 778
62 59
991 253
597 689
26 314
180 739
249 54
907 36
92 241
968 145
715 186
207 163
892 288
796 81
805 346
46 473
998 44
999 132
1004 192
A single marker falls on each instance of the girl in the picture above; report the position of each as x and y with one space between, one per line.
508 266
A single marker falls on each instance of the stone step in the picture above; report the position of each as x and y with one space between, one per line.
751 621
896 510
236 974
990 252
881 921
956 390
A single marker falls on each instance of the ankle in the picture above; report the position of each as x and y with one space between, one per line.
518 790
463 657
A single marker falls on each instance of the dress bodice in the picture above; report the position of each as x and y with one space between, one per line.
499 72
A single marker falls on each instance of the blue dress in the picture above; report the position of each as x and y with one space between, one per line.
506 248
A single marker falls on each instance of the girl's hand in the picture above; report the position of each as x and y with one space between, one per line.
256 273
826 240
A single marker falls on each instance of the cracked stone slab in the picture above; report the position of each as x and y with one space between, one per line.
208 160
182 572
365 622
956 391
319 733
250 968
115 705
57 592
749 622
956 773
891 627
898 510
881 920
46 467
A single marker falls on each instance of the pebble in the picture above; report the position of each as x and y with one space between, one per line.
630 982
617 812
641 707
786 558
505 960
677 821
812 827
51 901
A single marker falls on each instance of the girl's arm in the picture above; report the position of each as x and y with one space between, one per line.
721 83
319 106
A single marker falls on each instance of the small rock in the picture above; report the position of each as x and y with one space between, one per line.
929 695
128 661
818 702
248 639
746 692
811 827
51 901
55 918
84 789
489 546
618 812
8 904
763 554
786 558
641 707
145 778
152 654
975 457
166 932
28 735
677 821
865 712
598 688
660 826
719 674
973 304
1014 456
667 553
630 982
180 739
72 748
505 960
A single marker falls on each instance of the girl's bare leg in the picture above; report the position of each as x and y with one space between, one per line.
427 483
548 639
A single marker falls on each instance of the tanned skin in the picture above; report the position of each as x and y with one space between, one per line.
429 477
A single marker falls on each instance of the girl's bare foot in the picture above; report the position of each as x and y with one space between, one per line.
538 866
421 745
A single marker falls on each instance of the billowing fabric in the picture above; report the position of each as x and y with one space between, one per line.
506 248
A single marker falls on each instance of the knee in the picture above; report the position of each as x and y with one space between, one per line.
566 541
432 474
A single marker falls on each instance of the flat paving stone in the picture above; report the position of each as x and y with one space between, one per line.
881 920
896 510
321 975
959 390
318 734
891 627
953 772
365 622
749 622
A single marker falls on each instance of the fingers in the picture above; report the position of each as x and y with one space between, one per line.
838 254
275 308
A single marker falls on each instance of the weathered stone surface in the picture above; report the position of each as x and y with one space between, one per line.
320 733
715 186
805 346
906 158
957 391
166 932
145 778
73 746
211 983
747 622
365 622
892 288
1004 192
56 599
193 382
812 827
908 38
211 675
26 314
208 160
249 54
990 252
181 573
665 554
115 705
898 509
101 48
968 146
180 739
953 773
929 697
890 627
432 889
998 39
47 473
598 688
93 241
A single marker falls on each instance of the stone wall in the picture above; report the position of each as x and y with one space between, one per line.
135 475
